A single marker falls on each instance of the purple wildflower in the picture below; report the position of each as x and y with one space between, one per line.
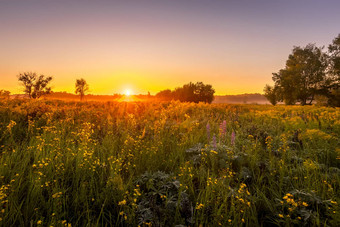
214 142
223 129
208 131
233 136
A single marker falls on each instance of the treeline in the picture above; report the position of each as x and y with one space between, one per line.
311 74
4 94
36 86
190 92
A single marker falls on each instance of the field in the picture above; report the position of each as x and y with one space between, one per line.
167 164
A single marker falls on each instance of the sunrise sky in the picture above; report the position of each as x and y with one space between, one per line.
146 45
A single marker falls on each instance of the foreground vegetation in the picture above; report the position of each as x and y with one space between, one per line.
166 164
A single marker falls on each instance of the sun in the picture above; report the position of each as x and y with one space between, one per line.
127 92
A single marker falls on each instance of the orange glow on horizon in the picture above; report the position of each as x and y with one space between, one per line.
127 92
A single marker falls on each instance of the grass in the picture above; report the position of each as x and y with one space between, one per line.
166 164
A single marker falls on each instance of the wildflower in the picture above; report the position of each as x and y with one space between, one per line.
214 142
39 222
11 125
122 203
213 152
223 128
208 131
305 204
233 136
57 195
199 206
281 215
163 196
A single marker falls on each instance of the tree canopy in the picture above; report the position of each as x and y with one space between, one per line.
334 72
35 86
4 94
309 72
81 88
271 94
191 92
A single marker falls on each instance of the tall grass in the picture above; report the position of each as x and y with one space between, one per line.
167 164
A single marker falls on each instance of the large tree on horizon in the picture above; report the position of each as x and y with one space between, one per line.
334 73
303 77
191 92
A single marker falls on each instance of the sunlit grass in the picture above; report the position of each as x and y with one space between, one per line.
165 164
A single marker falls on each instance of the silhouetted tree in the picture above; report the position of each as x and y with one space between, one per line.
4 94
283 84
35 86
81 88
271 94
334 73
303 77
190 92
166 95
203 93
334 53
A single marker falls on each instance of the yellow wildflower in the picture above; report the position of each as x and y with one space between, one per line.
213 152
199 206
122 203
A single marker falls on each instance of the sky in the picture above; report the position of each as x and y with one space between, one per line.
151 45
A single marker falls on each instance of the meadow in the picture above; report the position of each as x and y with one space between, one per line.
168 164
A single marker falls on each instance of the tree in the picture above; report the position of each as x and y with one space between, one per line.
303 77
35 86
190 92
166 95
5 94
333 94
81 88
204 93
334 54
283 85
271 94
